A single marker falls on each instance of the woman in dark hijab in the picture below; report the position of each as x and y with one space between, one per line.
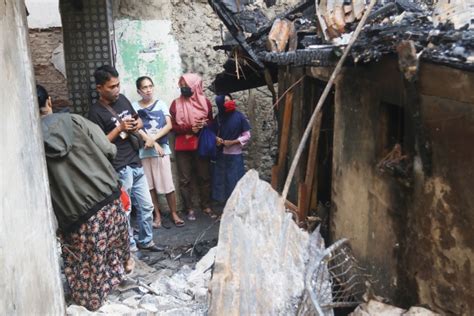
232 130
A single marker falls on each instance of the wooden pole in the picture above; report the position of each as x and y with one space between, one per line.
285 133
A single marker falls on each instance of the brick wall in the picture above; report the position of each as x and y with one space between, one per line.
42 44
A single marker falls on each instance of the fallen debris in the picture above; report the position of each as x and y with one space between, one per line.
397 165
376 308
282 33
184 292
261 254
266 265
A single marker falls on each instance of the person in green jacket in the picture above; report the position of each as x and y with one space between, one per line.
85 194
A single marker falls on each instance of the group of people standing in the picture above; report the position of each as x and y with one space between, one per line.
94 168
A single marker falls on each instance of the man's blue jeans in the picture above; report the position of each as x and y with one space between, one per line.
134 181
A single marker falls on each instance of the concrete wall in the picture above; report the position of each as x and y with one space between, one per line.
416 239
29 274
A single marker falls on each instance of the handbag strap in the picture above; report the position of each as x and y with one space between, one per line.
109 108
151 108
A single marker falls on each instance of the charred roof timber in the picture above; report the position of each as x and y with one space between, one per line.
221 8
442 33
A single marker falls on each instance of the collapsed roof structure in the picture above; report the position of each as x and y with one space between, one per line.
389 160
314 32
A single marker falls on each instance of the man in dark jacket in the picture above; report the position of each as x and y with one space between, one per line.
85 194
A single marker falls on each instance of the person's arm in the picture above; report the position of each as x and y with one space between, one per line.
178 128
165 129
113 134
148 139
242 140
126 125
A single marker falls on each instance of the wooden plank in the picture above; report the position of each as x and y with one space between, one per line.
283 147
275 172
290 206
313 204
302 202
311 165
306 189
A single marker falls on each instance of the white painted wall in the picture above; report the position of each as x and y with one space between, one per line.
29 268
43 13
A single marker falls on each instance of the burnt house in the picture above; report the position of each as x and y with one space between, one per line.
389 160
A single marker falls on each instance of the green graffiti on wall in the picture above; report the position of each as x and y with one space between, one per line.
147 48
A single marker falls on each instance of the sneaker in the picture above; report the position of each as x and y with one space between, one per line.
152 247
133 248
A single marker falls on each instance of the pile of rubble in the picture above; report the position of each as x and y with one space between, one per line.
168 290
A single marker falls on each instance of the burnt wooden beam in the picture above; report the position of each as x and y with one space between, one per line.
265 29
323 57
234 29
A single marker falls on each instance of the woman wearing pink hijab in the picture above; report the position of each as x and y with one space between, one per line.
189 114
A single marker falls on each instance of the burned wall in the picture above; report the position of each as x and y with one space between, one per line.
29 275
441 215
413 233
367 207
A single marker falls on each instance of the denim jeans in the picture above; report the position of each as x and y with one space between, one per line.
226 172
134 181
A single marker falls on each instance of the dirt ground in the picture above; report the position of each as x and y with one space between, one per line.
184 245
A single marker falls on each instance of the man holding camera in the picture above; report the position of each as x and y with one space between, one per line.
115 115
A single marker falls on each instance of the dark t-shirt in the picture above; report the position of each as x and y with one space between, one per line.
126 155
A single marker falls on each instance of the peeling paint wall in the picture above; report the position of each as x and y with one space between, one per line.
142 50
417 241
27 287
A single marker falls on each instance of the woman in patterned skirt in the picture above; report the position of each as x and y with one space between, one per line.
85 194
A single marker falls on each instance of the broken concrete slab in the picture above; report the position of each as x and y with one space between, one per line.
373 308
376 308
261 254
57 59
420 311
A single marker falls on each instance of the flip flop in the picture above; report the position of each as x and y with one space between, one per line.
179 223
191 216
211 214
156 225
